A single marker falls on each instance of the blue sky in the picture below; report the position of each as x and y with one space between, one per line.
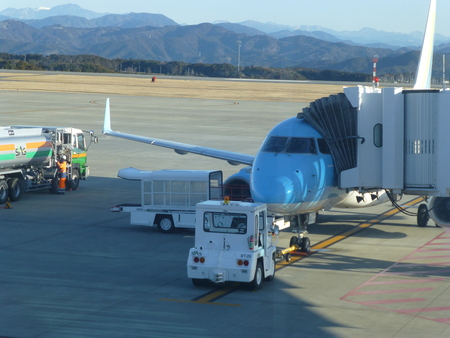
387 15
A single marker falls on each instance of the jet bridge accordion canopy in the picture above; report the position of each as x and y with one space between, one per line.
337 121
387 138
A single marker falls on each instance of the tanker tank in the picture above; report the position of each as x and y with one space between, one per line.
24 147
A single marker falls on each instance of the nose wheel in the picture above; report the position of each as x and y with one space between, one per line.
301 241
297 243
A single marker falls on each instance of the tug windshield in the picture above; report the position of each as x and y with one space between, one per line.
225 222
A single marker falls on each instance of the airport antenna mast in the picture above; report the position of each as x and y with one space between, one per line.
375 79
239 44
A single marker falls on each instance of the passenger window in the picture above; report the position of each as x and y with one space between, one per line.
275 144
299 145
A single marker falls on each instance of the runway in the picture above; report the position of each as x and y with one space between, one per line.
71 268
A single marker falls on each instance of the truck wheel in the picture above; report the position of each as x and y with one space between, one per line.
3 192
15 189
54 185
306 245
165 224
422 215
256 283
75 181
272 277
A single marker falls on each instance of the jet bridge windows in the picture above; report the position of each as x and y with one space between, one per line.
290 145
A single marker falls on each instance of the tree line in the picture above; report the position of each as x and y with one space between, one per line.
97 64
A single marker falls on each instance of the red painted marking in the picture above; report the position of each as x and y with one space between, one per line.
429 309
433 250
429 257
413 272
407 265
377 292
443 320
391 301
407 281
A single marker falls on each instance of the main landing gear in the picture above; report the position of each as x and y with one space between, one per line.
422 215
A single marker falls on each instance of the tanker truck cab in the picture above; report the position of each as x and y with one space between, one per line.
29 156
234 242
71 142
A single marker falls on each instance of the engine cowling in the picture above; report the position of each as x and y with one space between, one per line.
237 186
439 210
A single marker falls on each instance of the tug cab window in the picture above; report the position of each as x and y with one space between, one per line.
225 223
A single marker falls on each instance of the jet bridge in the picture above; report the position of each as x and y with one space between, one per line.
389 138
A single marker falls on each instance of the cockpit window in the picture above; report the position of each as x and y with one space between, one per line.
298 145
323 146
275 144
293 145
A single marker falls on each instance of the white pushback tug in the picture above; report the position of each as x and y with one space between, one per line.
234 242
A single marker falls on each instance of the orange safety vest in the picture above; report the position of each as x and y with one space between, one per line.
62 169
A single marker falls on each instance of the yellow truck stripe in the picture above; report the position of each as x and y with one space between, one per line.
7 147
33 145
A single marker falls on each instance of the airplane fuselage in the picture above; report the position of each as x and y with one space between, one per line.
293 172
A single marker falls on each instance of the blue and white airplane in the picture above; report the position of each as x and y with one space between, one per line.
293 171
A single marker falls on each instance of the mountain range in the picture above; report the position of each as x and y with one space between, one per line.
69 29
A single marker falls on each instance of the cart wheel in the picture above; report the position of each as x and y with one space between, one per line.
165 224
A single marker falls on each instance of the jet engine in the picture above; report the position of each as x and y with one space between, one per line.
237 186
439 210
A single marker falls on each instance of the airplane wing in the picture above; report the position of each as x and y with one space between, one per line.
180 148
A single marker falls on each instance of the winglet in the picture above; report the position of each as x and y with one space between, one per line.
425 67
107 121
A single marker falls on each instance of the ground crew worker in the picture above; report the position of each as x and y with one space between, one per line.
62 165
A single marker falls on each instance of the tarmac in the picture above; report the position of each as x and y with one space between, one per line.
71 268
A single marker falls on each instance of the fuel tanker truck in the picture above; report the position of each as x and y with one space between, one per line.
29 156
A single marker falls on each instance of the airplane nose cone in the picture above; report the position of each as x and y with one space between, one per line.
279 190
